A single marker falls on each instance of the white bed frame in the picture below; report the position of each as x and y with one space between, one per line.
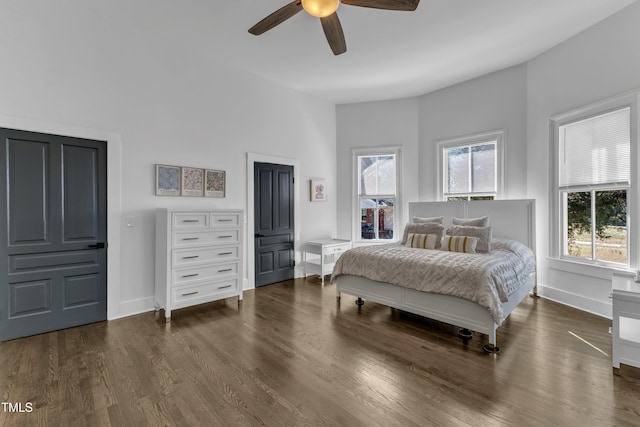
511 219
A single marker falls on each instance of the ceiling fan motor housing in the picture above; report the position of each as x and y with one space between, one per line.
320 8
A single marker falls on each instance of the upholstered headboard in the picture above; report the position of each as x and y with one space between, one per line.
510 219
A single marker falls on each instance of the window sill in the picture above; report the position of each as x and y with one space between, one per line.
585 269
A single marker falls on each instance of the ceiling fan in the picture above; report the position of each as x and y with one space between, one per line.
326 11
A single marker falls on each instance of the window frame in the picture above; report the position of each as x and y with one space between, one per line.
558 221
356 153
499 136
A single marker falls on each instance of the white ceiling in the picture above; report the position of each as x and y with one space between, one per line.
392 54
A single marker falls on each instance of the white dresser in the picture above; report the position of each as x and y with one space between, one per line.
198 257
626 322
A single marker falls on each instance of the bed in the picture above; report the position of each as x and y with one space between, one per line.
512 223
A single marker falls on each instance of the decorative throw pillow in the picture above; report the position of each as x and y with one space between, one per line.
464 244
424 228
422 241
483 234
482 221
436 219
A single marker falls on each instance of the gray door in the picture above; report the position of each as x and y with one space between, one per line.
52 234
273 194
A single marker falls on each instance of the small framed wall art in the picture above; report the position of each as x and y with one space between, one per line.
214 183
167 180
318 190
192 182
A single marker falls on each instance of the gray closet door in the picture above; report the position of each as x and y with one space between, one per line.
273 198
53 212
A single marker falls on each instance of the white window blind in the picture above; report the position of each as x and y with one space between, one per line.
377 175
471 169
596 150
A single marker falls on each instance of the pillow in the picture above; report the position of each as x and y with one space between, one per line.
422 241
464 244
436 219
424 228
482 221
482 233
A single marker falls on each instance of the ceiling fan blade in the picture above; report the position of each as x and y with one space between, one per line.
405 5
277 17
335 36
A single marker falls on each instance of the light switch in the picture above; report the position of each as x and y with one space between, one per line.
130 221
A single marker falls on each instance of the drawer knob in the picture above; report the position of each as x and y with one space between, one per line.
190 238
224 287
225 220
224 237
226 269
190 220
225 253
191 257
190 275
190 293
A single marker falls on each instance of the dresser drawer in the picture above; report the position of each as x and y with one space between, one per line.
184 239
191 220
196 256
185 294
205 272
221 220
336 249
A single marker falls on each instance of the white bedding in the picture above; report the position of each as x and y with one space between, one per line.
486 279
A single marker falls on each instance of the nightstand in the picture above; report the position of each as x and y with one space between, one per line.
626 322
321 255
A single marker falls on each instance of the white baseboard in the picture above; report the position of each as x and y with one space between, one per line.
135 306
580 302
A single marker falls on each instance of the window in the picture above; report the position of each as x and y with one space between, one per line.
594 176
377 203
471 167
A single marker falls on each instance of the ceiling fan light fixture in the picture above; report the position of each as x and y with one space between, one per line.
320 8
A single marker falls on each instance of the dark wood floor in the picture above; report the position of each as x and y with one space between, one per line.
291 356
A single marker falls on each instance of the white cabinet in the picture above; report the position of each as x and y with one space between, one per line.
321 255
198 257
626 322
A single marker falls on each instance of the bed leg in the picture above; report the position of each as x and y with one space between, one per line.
491 349
465 335
534 291
338 296
359 302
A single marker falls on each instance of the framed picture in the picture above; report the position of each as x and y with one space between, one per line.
167 180
192 182
318 190
214 183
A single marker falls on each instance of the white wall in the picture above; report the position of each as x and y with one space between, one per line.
113 68
496 101
595 65
375 124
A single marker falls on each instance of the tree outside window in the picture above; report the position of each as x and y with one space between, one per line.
597 225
